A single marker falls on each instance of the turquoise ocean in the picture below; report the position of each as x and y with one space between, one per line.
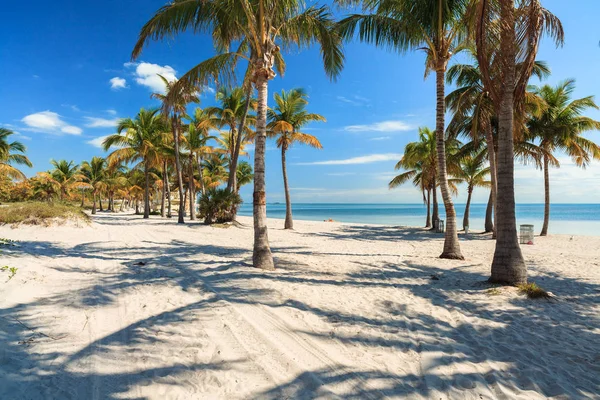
572 219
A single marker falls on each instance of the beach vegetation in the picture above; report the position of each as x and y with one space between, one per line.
41 213
218 205
533 291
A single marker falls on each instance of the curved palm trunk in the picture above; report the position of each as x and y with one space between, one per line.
122 204
192 186
82 198
232 181
261 255
489 215
137 207
200 174
467 209
508 265
451 244
489 139
100 202
289 223
428 218
163 197
146 191
94 202
436 211
169 204
178 170
546 197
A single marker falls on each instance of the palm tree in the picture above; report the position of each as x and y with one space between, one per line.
139 140
285 120
94 171
215 171
507 37
417 173
45 187
259 29
174 104
244 174
9 155
439 28
67 174
197 138
473 173
559 127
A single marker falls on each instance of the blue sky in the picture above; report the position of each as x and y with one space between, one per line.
65 77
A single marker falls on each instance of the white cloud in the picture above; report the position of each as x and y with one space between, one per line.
101 122
341 174
146 74
209 89
381 138
355 100
384 126
372 158
111 111
117 83
97 142
49 122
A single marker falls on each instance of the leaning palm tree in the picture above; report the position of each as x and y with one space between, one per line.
259 29
285 121
12 153
437 27
94 173
67 174
139 140
416 173
473 172
559 128
507 36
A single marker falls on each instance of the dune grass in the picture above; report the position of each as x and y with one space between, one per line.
533 291
41 213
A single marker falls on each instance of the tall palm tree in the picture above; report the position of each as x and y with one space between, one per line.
439 28
559 128
12 153
244 174
174 103
285 121
473 172
139 140
417 173
197 138
507 36
259 29
94 173
67 174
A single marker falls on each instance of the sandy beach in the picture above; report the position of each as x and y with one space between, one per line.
134 309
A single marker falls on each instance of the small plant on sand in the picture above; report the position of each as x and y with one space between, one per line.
218 205
493 291
533 291
11 270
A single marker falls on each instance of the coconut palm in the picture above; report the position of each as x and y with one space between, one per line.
174 103
418 173
45 187
197 138
285 122
67 174
12 153
439 28
94 173
260 29
473 172
139 140
559 128
507 36
244 174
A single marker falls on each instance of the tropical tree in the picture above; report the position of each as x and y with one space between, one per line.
94 173
174 103
244 174
45 187
260 29
197 138
473 172
67 175
285 121
506 37
139 140
559 128
12 153
439 28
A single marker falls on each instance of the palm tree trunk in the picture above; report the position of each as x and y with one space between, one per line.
546 196
232 181
289 223
508 265
467 209
261 255
100 201
175 126
489 138
82 198
201 174
94 202
435 217
137 207
146 191
451 244
428 218
122 204
489 215
192 186
164 190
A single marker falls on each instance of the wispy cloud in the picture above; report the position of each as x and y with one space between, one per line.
93 122
117 83
381 138
301 189
341 174
72 107
97 142
146 74
111 111
49 122
355 100
383 126
372 158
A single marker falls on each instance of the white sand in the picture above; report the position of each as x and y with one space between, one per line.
352 312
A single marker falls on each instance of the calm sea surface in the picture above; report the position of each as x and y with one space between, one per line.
573 219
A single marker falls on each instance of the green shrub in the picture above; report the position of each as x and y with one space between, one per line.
533 291
40 213
218 205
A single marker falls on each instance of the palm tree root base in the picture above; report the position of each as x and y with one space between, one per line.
452 256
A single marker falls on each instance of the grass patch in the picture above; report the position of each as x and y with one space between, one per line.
40 213
533 291
12 271
493 291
